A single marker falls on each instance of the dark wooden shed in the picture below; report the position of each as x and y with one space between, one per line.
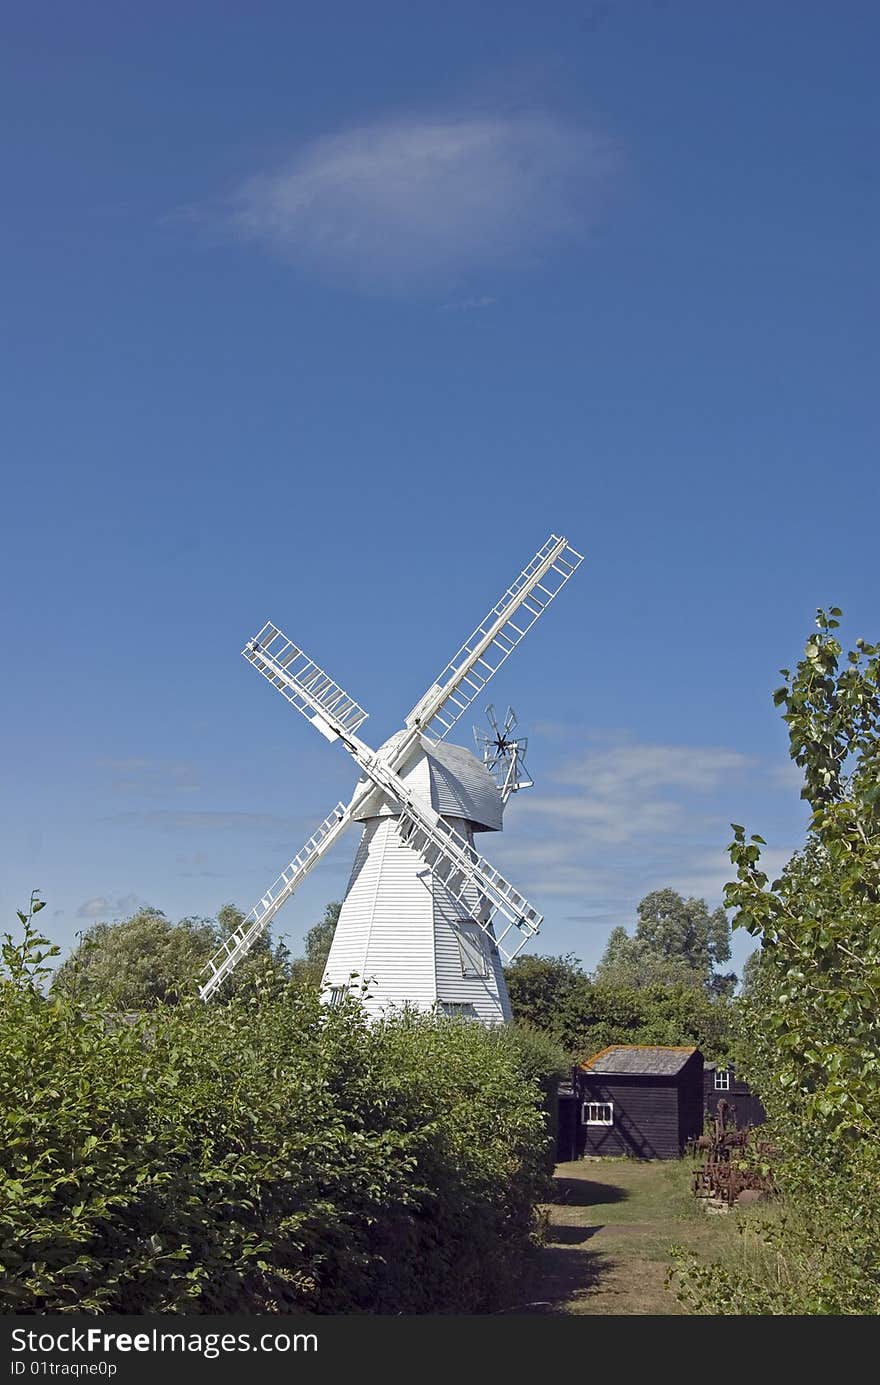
721 1081
640 1100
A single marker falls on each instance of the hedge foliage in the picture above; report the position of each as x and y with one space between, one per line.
265 1157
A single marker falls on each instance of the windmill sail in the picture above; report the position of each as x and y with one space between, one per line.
304 683
495 639
242 939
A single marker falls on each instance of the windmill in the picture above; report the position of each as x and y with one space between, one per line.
426 920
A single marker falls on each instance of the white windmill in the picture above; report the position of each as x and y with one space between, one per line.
426 920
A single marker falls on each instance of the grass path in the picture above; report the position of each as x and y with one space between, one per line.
610 1226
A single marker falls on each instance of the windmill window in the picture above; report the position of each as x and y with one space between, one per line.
722 1080
471 949
337 995
457 1009
598 1113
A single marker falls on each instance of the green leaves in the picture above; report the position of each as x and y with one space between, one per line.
262 1157
553 997
23 961
811 1018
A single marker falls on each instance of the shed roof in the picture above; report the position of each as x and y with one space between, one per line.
639 1060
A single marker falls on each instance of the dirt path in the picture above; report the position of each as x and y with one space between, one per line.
611 1224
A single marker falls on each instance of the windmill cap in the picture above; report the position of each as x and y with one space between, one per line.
447 778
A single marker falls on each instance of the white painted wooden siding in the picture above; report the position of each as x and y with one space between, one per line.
386 925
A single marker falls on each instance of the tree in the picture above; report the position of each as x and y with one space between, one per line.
551 993
139 962
555 995
630 963
319 938
812 1016
309 969
819 923
677 942
146 960
267 965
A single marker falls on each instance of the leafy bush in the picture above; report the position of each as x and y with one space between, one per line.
271 1156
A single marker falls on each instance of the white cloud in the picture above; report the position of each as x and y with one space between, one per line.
630 817
787 775
415 204
102 907
631 767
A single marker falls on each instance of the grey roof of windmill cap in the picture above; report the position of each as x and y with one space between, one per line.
461 786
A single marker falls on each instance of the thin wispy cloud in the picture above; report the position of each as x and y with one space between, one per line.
624 817
637 768
101 907
143 777
216 821
223 830
421 203
468 305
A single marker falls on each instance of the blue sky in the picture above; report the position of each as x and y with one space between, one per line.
329 315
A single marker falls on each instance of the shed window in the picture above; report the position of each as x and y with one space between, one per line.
337 995
722 1080
598 1113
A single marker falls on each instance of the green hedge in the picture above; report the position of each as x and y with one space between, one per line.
266 1157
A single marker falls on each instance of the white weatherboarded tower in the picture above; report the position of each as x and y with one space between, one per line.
426 920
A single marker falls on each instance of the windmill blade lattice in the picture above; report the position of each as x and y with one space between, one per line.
495 638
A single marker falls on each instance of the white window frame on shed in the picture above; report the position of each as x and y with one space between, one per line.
722 1079
597 1113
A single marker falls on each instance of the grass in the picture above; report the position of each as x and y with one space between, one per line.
609 1230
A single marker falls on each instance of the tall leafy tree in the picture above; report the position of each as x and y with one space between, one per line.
812 1015
555 995
751 973
677 942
